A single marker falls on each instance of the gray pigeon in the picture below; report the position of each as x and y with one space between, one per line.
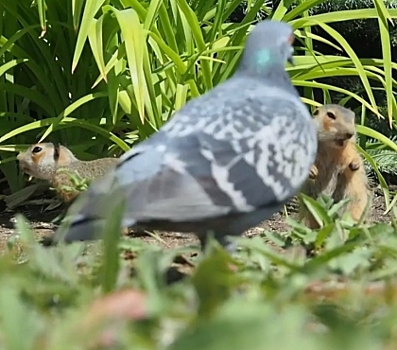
225 162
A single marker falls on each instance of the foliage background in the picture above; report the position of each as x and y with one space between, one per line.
100 75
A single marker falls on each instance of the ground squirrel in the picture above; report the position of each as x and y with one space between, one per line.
44 160
339 170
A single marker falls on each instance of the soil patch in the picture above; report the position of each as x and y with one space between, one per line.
42 225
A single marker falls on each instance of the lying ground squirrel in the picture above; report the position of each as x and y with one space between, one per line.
54 163
339 170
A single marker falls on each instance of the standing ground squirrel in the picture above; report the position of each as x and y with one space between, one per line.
338 170
44 160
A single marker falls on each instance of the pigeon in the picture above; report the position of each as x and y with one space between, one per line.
225 162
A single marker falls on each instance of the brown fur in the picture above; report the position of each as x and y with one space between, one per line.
338 170
40 161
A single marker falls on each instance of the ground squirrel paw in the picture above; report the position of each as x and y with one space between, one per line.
313 172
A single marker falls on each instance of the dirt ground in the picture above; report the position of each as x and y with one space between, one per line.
41 223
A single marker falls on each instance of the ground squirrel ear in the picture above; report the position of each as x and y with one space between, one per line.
331 115
56 151
316 111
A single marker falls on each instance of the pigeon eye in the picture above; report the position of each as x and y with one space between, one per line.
37 149
331 115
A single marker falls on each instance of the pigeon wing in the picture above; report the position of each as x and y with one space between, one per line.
204 175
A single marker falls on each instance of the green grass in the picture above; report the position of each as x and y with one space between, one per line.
330 288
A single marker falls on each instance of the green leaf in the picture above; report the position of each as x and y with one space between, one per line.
90 9
95 39
318 212
212 280
387 56
111 237
339 38
135 43
69 122
41 6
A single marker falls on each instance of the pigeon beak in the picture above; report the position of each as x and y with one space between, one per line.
291 61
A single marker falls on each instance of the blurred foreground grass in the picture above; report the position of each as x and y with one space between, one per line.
328 289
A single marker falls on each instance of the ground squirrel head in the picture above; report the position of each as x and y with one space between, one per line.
335 125
42 159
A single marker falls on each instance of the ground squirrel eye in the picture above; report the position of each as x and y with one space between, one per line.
331 115
37 149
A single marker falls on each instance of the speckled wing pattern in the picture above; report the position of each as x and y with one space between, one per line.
221 155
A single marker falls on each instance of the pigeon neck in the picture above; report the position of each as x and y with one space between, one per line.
273 74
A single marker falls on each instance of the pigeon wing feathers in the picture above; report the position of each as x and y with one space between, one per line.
170 193
199 175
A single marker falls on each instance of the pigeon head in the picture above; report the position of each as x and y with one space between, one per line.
268 48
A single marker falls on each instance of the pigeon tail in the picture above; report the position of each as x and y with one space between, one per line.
80 229
84 229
